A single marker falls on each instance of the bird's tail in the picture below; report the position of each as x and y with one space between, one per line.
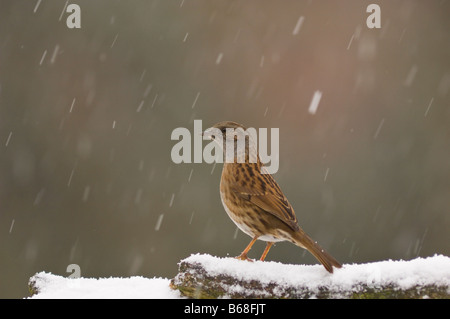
303 240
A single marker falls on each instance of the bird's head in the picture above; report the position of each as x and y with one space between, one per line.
234 136
226 130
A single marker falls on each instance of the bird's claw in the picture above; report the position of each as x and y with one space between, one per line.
244 257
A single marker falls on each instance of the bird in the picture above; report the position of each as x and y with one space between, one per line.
255 202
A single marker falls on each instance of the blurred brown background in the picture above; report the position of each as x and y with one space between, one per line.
86 116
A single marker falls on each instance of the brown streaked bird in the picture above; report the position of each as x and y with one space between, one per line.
254 201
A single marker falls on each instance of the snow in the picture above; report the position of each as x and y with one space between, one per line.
315 102
37 6
57 287
298 25
401 274
219 58
8 139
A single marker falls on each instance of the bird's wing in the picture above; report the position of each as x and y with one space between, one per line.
270 198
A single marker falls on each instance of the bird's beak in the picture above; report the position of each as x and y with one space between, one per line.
206 134
210 133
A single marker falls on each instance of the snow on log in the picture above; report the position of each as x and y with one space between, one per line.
205 276
44 285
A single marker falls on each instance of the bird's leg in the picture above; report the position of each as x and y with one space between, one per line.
263 256
243 255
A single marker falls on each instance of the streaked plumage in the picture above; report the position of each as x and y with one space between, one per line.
257 205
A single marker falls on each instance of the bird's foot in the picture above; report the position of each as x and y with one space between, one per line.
244 257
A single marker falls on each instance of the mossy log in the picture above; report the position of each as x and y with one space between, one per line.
204 276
